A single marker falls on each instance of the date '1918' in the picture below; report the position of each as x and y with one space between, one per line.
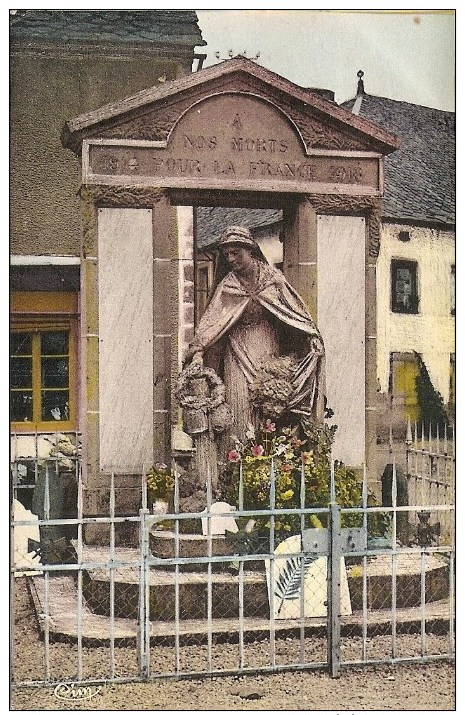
341 174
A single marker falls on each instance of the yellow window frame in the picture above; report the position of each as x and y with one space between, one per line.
30 314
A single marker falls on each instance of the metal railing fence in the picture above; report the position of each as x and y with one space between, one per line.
190 598
430 463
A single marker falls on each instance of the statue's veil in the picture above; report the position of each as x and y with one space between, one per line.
232 236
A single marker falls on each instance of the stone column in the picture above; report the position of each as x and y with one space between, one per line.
164 277
89 374
165 320
300 267
300 250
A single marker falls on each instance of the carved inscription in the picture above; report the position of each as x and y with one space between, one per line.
118 161
233 151
270 146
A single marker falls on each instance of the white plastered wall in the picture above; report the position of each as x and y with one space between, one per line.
431 331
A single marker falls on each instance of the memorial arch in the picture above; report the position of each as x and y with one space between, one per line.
231 135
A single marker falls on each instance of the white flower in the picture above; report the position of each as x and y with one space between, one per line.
280 449
250 433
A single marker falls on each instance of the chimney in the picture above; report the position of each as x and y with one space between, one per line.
325 93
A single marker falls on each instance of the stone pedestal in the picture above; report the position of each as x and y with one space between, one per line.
408 568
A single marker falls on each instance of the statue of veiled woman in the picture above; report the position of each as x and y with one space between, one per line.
253 317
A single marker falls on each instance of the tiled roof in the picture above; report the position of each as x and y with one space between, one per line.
211 221
153 27
420 176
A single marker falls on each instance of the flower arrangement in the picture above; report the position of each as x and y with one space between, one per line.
297 457
160 483
201 393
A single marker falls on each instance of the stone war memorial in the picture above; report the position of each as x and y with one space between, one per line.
229 405
233 135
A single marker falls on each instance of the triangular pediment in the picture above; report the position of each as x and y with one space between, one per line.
152 114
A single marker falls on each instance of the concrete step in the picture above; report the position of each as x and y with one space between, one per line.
189 590
225 590
60 600
166 545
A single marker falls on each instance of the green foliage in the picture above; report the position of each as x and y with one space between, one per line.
431 404
160 483
301 462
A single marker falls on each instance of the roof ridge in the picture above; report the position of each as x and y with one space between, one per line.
396 101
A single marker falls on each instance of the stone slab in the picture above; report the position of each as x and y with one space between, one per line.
220 522
297 588
21 557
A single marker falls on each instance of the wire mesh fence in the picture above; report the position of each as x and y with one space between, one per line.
226 589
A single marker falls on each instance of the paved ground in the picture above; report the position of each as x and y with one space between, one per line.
401 687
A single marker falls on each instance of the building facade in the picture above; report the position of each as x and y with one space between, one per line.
416 264
63 63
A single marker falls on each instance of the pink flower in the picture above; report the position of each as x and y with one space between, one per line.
296 442
307 457
257 450
270 426
234 456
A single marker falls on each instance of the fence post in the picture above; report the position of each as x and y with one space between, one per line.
334 590
144 616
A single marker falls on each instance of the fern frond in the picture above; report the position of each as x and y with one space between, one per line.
288 583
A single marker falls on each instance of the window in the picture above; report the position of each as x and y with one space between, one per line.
404 371
404 295
42 364
204 279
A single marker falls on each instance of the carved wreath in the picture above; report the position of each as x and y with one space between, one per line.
194 402
206 412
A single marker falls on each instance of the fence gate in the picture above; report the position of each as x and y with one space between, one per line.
169 593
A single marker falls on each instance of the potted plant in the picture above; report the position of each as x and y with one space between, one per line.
160 488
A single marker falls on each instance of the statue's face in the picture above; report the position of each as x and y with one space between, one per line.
239 258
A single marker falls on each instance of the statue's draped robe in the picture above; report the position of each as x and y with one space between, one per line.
241 328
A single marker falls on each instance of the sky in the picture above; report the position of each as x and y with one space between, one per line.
405 55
